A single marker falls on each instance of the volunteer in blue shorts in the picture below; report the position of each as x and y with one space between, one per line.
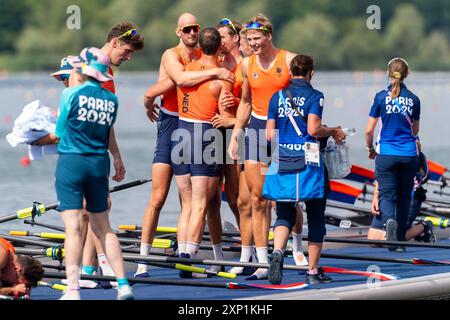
396 154
87 113
294 174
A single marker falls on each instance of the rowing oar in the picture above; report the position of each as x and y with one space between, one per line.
429 211
157 243
48 226
189 268
39 208
163 229
141 259
415 261
55 286
181 282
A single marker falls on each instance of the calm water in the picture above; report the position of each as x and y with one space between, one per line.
347 101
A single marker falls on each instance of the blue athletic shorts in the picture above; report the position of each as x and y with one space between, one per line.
256 146
79 176
166 125
200 159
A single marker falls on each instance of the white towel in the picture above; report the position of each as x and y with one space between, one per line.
35 121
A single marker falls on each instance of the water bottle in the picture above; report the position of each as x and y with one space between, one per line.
349 131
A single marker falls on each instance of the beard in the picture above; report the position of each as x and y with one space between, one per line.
190 41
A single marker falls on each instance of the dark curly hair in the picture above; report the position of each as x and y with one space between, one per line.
137 40
32 269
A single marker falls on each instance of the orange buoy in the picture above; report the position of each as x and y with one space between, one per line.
25 161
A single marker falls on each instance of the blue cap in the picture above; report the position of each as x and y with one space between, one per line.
64 69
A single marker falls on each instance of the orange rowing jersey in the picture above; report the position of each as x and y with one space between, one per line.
197 104
109 85
169 102
264 83
8 246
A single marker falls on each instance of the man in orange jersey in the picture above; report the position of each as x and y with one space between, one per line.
236 190
18 273
264 73
171 74
201 144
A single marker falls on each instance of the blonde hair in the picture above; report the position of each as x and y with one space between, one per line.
260 18
398 70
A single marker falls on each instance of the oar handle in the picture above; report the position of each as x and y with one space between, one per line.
129 185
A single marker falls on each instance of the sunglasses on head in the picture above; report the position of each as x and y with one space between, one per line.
257 26
189 28
228 22
128 34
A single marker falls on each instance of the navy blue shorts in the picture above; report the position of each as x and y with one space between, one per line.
166 124
79 176
256 146
199 153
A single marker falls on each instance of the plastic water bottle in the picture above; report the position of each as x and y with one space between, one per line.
349 131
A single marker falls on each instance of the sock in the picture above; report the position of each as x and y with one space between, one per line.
296 242
181 247
122 282
263 254
218 253
192 248
145 251
246 253
104 265
88 270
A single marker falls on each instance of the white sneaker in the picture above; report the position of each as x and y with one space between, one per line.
237 270
84 284
125 293
71 295
300 258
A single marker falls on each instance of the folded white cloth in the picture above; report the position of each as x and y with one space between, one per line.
35 121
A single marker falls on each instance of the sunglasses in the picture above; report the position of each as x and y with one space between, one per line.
189 28
257 26
130 33
228 22
64 77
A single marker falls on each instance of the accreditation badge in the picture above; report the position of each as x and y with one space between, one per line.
312 154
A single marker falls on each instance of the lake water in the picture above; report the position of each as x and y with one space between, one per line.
348 96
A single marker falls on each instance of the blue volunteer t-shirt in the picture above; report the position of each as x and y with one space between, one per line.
309 101
87 112
397 116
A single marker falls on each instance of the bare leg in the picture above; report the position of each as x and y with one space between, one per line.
185 192
73 245
260 214
161 177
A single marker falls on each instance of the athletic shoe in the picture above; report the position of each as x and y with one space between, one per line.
71 295
275 273
125 293
428 233
246 271
391 232
85 284
320 277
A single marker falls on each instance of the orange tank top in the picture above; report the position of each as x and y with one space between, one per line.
7 245
264 83
169 102
197 104
109 85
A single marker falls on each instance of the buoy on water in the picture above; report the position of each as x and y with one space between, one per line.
25 161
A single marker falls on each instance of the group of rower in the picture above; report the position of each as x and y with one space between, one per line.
217 85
